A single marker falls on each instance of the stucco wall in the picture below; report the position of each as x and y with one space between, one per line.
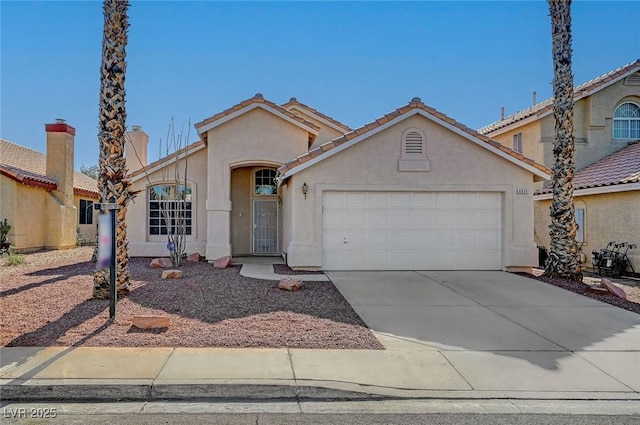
24 208
256 138
592 121
608 217
531 140
456 165
141 243
326 132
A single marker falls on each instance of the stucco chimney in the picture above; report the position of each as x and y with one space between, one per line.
135 148
59 167
60 140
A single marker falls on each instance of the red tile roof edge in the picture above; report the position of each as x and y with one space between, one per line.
258 98
416 103
632 176
27 178
295 102
547 104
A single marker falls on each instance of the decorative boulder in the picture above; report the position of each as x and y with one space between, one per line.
150 322
222 262
609 286
194 257
172 274
290 284
160 263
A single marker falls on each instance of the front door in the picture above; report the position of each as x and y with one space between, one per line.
265 226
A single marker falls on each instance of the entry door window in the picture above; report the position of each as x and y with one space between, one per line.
265 226
265 183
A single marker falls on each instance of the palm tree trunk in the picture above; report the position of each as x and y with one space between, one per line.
563 259
112 116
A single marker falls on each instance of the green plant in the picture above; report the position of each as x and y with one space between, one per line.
4 230
12 258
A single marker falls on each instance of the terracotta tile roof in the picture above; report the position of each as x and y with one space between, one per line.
295 102
29 166
579 92
620 167
415 103
164 160
257 99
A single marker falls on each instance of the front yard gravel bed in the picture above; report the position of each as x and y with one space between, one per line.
47 302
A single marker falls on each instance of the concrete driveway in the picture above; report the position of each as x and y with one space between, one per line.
499 329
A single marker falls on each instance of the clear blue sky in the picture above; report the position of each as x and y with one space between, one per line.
354 61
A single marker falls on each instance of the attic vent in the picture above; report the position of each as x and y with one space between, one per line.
414 151
413 143
632 80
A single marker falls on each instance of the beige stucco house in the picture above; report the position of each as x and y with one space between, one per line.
413 189
43 199
607 158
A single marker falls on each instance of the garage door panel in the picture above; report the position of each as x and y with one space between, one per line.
400 240
412 230
400 200
334 219
377 219
355 200
399 219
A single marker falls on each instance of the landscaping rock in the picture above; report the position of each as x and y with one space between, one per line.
160 263
194 257
150 322
222 262
290 284
172 274
606 283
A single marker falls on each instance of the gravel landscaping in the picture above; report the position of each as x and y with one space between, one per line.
631 288
47 302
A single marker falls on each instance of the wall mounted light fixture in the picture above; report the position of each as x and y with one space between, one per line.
305 189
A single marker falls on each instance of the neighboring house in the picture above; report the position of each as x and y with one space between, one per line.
413 189
606 131
43 199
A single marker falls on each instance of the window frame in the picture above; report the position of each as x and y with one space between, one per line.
261 189
85 213
154 216
626 120
517 142
580 215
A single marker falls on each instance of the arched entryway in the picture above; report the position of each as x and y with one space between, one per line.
255 211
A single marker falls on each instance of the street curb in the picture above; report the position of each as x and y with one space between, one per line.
265 393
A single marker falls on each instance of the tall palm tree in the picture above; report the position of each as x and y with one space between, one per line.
563 259
112 116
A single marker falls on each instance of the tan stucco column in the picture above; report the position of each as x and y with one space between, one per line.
218 224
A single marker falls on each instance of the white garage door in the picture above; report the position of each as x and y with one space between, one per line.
412 231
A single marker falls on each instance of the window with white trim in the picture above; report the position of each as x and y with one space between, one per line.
626 121
517 142
170 209
579 214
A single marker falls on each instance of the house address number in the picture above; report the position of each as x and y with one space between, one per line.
522 191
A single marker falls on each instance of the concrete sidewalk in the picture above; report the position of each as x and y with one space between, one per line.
447 335
405 370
